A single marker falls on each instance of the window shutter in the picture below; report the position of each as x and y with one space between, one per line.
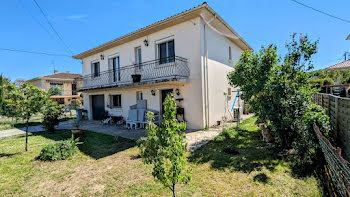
111 101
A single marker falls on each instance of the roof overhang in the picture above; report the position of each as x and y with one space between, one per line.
201 10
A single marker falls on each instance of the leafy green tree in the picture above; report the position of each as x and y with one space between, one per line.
164 147
27 101
51 112
278 90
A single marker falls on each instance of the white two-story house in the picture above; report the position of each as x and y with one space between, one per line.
188 54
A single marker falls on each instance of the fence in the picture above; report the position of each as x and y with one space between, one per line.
338 109
337 167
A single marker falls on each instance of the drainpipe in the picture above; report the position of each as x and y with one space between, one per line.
206 89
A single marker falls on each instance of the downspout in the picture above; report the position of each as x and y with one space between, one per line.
206 89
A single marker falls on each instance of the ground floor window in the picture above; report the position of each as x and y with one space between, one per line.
139 95
59 101
116 101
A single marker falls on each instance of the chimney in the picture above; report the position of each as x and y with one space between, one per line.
67 71
55 71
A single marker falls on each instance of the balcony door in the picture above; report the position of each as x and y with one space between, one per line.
114 63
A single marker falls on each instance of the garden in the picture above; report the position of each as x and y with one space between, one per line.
274 153
107 166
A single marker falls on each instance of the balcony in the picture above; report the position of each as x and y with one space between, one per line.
155 71
64 93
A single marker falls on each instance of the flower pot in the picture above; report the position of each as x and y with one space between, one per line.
78 133
136 78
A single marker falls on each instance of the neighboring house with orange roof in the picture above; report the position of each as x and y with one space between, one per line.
342 65
64 80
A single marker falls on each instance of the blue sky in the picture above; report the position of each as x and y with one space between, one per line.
84 24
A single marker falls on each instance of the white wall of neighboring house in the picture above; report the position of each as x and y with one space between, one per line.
187 45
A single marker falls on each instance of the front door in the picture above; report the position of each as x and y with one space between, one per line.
98 106
164 94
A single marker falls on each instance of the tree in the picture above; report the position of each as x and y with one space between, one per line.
164 147
27 101
278 90
9 99
51 111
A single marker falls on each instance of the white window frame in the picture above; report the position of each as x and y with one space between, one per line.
161 41
139 95
138 56
110 67
93 68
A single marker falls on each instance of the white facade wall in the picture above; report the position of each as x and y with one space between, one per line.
190 44
187 45
219 65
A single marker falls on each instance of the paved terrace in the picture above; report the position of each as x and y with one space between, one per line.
194 139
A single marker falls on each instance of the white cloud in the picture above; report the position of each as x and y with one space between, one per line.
77 16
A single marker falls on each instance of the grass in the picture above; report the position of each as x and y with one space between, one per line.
10 124
105 166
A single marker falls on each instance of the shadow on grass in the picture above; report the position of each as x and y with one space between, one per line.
8 154
262 178
250 152
95 145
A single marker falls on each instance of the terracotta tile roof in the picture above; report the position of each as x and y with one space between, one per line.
63 75
342 65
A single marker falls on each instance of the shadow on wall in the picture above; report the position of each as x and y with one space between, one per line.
95 145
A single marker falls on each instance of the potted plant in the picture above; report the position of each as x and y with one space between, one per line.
77 131
136 78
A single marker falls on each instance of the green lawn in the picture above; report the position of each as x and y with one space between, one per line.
105 166
7 123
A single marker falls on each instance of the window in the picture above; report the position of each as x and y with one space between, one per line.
166 52
114 63
59 101
138 57
139 95
57 85
116 101
95 70
229 53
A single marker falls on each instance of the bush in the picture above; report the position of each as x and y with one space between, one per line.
59 151
306 144
52 111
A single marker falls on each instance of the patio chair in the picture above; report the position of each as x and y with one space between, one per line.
131 122
142 117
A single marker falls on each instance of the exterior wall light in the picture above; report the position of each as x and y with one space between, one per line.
177 91
102 57
153 92
145 42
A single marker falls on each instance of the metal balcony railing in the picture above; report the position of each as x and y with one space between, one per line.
66 93
170 68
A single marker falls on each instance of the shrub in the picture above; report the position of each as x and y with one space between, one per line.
60 150
306 144
52 111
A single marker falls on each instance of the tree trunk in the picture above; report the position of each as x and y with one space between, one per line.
173 190
27 134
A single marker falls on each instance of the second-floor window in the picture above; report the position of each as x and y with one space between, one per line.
57 85
138 57
95 69
229 53
166 52
114 64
